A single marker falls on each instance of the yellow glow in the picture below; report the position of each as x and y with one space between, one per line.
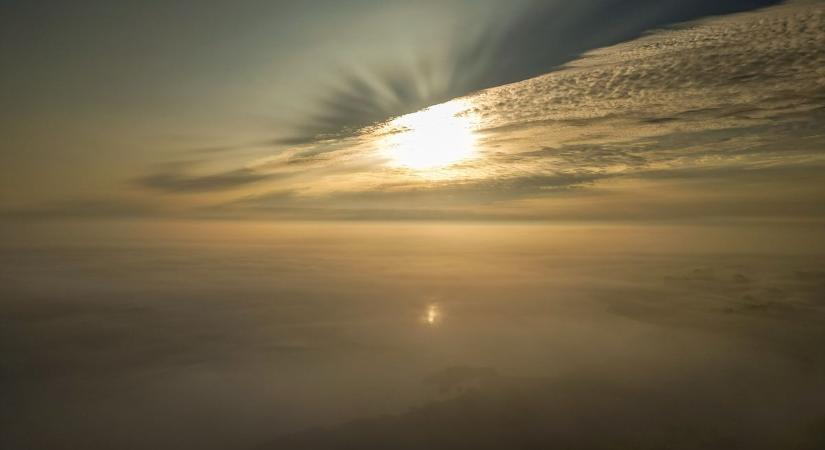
436 137
432 315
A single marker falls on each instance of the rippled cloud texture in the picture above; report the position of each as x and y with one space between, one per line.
718 119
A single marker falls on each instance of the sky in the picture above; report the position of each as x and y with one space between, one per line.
282 110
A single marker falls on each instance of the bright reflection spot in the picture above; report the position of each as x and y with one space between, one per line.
432 138
433 315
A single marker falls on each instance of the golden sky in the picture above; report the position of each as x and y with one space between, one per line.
717 119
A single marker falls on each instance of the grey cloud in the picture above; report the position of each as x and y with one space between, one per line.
731 102
698 68
448 200
543 37
722 194
588 158
673 162
180 183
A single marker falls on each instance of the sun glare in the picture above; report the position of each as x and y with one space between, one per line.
433 315
432 138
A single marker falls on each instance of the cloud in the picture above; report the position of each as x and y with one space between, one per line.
107 207
461 200
180 183
542 37
637 131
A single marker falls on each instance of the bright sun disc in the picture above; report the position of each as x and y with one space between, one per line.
432 138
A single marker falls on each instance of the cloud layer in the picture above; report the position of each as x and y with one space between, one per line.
736 103
151 335
717 119
507 48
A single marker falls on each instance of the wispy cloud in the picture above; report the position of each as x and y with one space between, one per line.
727 100
505 49
181 183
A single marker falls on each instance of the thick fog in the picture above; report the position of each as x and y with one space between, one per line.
226 335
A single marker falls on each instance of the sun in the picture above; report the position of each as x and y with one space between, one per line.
433 138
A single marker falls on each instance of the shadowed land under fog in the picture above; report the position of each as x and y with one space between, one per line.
725 413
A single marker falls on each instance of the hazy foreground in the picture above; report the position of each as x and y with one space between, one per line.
226 336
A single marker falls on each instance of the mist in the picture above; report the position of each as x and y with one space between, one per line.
343 335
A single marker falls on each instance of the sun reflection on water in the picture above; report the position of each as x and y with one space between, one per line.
433 315
433 138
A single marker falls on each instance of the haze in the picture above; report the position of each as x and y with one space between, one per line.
414 225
